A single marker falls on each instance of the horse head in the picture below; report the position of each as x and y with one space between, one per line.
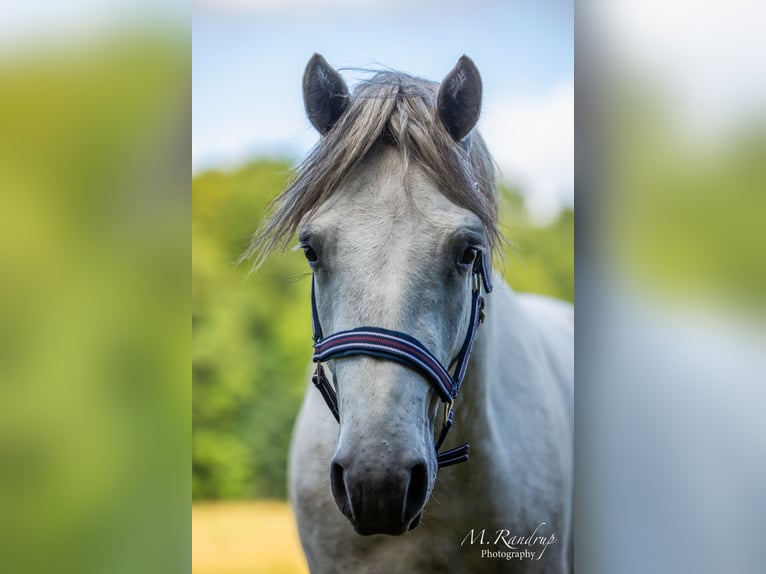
401 214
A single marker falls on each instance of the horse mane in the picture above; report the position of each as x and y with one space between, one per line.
390 108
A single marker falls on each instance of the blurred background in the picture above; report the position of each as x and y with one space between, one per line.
95 393
94 287
252 331
671 286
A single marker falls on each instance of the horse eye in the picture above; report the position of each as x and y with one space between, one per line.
469 256
310 254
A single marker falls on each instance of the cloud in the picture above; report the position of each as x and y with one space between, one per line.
532 140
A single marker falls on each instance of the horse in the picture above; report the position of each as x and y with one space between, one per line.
396 211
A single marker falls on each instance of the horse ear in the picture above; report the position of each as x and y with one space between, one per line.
325 94
459 99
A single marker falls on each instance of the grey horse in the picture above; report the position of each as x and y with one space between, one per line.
391 207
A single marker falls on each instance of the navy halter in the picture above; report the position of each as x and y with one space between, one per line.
407 350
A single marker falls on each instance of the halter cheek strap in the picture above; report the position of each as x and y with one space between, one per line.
408 351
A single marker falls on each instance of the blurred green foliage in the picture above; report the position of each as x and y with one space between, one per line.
685 213
539 257
250 335
252 331
94 299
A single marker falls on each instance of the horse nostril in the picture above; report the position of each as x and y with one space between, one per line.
417 491
338 487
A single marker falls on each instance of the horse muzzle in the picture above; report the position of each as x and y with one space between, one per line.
380 496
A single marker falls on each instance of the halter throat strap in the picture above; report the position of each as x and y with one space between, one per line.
408 351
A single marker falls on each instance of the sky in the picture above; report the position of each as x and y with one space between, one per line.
249 56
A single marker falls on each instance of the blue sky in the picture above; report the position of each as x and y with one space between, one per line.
249 55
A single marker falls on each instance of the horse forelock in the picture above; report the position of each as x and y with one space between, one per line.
390 108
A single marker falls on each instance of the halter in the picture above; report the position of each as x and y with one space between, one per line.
408 351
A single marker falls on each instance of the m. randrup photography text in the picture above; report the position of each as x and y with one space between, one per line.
511 546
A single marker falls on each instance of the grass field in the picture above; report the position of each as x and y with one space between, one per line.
253 537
